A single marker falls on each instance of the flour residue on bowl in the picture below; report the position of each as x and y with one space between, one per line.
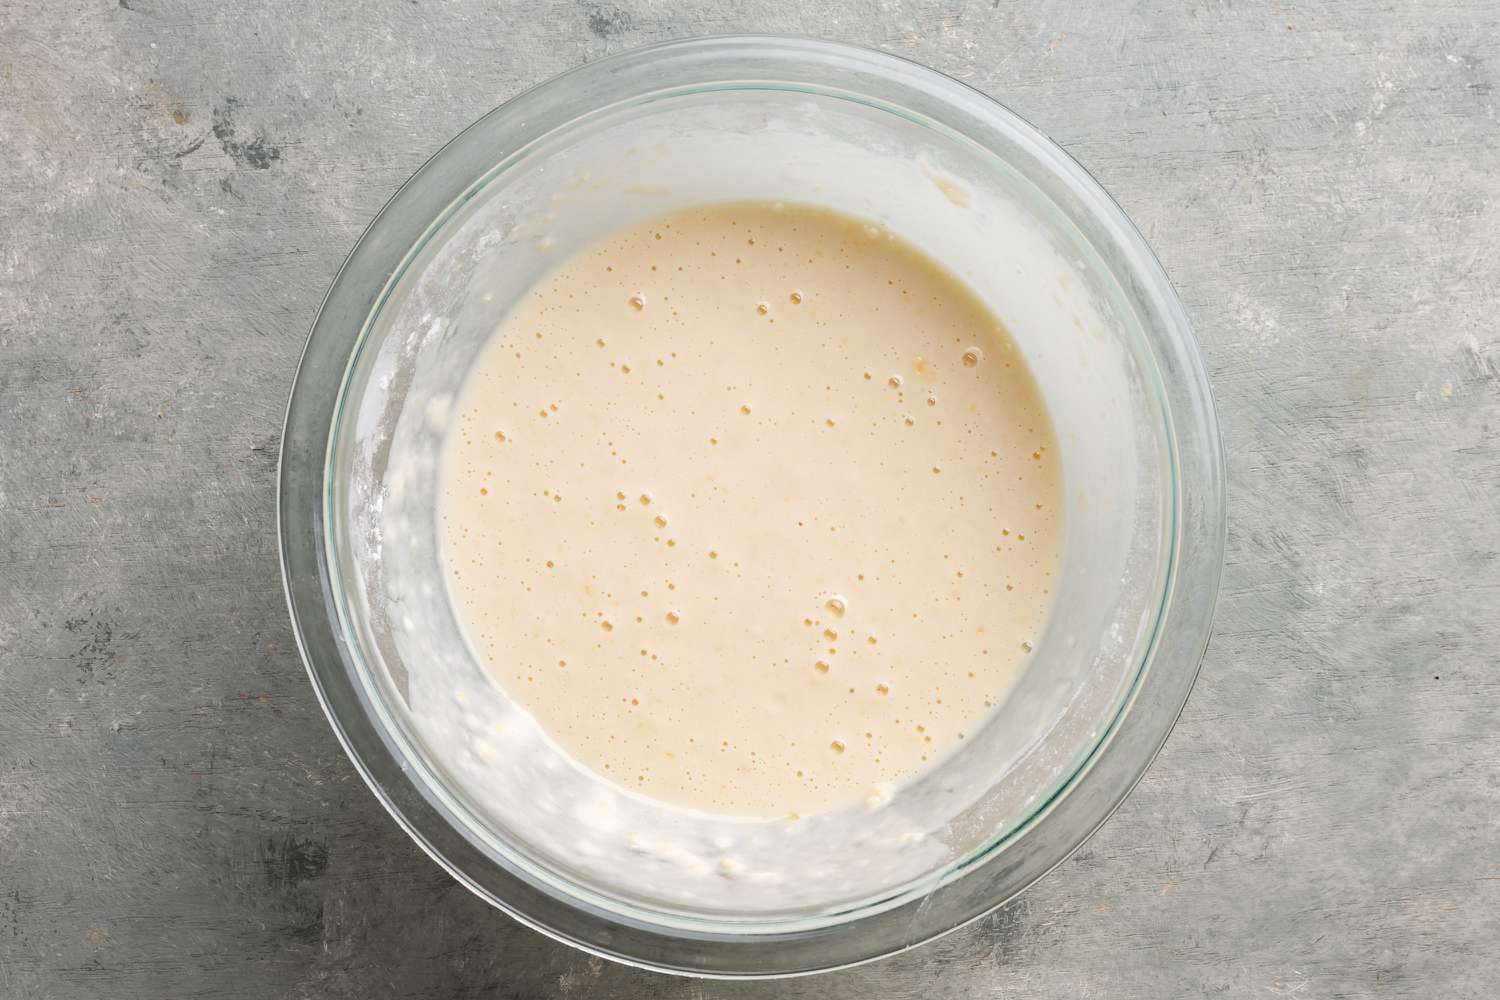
754 507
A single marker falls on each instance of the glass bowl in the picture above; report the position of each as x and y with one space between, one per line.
634 136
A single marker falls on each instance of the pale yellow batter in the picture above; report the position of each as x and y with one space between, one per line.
755 508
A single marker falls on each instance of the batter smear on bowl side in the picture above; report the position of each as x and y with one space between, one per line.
755 508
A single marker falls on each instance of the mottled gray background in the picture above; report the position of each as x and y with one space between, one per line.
178 183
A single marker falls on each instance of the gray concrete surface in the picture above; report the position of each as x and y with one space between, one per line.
180 180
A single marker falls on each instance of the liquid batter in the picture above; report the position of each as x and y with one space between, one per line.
754 507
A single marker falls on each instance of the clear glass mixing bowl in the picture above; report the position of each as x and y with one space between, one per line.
632 137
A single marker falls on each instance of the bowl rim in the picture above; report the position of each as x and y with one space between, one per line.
1086 799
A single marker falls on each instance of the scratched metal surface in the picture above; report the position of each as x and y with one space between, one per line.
179 182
